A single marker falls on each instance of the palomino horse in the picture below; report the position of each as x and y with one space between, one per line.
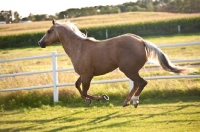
92 57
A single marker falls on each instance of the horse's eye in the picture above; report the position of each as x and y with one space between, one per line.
48 31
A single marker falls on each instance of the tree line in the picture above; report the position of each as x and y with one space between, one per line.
174 6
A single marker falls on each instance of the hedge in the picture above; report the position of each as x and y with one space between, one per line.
163 27
20 40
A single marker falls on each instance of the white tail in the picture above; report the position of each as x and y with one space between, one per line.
157 56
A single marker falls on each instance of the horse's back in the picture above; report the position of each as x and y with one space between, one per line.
119 47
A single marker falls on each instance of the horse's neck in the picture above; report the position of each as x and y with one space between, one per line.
70 42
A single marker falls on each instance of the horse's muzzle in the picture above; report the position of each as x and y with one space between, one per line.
42 44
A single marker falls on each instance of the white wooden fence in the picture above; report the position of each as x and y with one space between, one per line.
55 71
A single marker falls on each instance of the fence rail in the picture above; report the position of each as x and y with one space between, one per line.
55 71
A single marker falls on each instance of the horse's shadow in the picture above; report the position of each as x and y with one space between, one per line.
97 120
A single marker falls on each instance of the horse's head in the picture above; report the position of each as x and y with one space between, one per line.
50 37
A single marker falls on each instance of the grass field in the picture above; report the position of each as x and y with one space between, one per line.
174 117
92 21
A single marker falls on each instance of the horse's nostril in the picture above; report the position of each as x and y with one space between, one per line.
38 42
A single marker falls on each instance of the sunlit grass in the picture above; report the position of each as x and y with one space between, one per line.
173 117
175 38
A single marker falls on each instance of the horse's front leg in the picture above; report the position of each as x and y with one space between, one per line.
85 87
78 86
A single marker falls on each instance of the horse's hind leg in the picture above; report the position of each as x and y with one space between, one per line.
129 96
142 84
139 84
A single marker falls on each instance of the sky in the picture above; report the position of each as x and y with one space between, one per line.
51 7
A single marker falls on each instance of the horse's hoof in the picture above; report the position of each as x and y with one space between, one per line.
105 97
88 101
126 104
135 105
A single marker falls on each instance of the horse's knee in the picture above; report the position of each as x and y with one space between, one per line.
84 94
143 83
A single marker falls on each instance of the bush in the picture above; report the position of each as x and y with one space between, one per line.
20 40
188 25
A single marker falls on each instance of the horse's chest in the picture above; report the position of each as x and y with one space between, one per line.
80 66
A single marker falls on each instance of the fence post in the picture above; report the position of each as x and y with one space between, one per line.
179 29
131 84
106 33
55 76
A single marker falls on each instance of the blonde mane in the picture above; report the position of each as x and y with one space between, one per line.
73 28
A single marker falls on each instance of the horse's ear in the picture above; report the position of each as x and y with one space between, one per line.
53 21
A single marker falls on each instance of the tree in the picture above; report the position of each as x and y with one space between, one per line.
41 17
150 7
105 10
88 11
115 9
110 9
195 6
62 14
6 16
16 17
73 12
31 17
51 17
191 6
137 8
25 19
128 9
2 18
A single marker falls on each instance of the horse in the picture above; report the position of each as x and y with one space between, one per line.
91 57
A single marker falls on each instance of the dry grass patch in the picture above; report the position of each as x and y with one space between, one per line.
93 21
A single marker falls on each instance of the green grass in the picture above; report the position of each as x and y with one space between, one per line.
174 38
106 116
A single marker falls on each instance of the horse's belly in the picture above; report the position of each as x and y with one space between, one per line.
103 69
